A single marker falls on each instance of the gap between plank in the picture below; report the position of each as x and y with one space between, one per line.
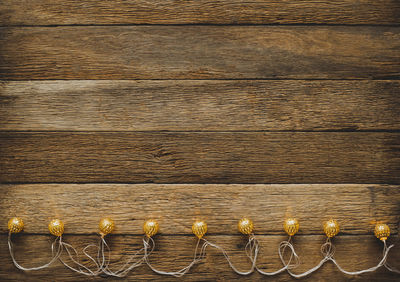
207 24
350 130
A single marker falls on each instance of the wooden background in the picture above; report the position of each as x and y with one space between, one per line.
214 110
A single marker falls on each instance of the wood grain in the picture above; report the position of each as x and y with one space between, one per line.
357 207
209 105
73 12
174 252
199 52
200 157
199 92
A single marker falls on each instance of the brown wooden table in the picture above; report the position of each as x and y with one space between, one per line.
213 110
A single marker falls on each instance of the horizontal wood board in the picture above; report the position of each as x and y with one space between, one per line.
357 207
200 52
174 252
206 105
90 12
200 157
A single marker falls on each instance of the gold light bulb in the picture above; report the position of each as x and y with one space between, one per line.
106 226
150 227
245 226
56 227
291 226
382 231
199 228
331 228
15 225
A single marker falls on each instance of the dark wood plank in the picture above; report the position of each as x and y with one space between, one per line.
56 12
356 207
199 52
174 252
209 105
201 157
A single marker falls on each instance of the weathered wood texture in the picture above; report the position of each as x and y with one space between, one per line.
244 100
356 207
201 157
175 252
199 52
57 12
206 105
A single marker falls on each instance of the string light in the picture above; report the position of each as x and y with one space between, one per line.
16 225
106 226
331 228
382 231
245 226
56 227
199 228
151 227
291 226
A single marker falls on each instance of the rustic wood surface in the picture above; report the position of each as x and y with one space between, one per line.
104 96
199 52
200 157
209 105
72 12
174 252
356 207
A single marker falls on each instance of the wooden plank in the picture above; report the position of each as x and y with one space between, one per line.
72 12
210 105
357 207
200 157
199 52
174 252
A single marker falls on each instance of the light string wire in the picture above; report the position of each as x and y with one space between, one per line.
103 259
124 269
149 243
328 251
87 271
56 250
287 265
386 264
251 249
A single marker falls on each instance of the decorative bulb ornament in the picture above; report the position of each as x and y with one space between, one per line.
106 226
291 226
15 225
150 227
382 231
245 226
56 227
331 228
199 228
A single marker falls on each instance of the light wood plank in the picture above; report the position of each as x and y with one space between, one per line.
200 157
208 105
199 52
176 207
56 12
174 252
